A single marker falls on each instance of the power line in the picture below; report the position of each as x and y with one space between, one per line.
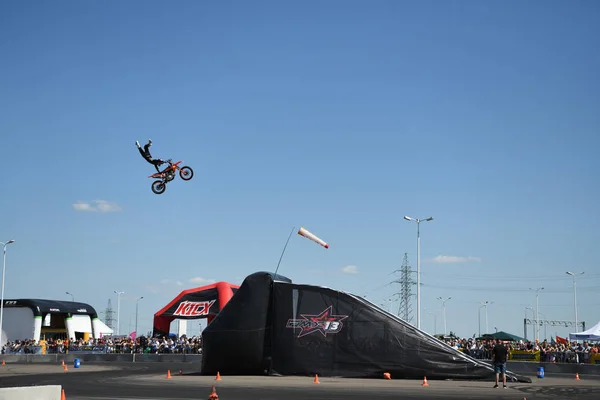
504 278
512 288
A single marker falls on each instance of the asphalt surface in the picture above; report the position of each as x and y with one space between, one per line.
148 381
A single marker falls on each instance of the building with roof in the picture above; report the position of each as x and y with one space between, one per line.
38 319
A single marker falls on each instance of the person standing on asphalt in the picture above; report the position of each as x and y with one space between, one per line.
499 357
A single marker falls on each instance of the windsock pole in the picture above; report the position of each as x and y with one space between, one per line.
284 247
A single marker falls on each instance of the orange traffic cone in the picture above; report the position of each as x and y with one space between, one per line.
65 367
3 362
62 395
386 375
577 376
213 395
425 382
316 379
63 363
218 378
168 374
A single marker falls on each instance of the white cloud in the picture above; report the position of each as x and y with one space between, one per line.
102 206
455 259
350 269
201 281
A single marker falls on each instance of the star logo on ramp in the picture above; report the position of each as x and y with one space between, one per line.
324 322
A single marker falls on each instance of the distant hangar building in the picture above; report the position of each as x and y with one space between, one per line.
39 319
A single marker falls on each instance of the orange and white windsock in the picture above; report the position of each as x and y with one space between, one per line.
314 238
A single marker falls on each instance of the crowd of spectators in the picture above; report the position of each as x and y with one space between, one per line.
119 345
550 351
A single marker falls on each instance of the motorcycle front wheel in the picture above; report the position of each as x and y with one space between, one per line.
186 173
159 187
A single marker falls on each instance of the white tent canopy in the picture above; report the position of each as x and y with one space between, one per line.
591 334
103 329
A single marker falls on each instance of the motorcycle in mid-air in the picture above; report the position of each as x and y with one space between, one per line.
168 174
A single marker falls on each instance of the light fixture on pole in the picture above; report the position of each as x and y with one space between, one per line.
118 310
2 297
418 221
444 311
537 309
574 274
72 297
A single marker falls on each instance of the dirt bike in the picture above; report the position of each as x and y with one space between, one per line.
168 174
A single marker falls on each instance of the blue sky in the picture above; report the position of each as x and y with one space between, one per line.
341 117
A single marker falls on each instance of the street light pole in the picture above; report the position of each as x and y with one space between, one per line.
525 326
545 326
136 315
528 308
444 311
537 312
118 311
434 320
479 319
486 304
418 221
72 297
574 274
136 327
2 297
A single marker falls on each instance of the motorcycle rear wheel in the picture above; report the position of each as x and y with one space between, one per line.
159 187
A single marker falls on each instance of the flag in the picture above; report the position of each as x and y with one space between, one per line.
561 340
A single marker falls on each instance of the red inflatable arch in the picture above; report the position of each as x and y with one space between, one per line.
197 303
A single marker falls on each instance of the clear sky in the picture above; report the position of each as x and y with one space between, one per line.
339 116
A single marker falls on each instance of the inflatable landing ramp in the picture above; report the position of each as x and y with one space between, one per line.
272 326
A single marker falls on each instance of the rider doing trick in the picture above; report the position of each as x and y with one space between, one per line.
168 174
145 152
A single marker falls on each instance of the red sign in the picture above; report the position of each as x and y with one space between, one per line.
194 308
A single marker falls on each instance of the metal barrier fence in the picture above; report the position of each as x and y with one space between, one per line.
569 357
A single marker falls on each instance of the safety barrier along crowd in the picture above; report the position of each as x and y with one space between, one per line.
575 357
570 356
